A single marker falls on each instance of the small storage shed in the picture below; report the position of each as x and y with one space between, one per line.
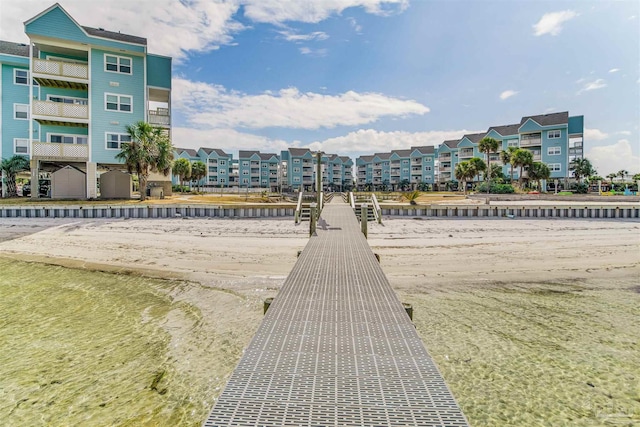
116 185
68 183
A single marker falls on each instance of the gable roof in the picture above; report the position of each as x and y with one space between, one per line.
451 143
475 137
505 130
427 149
17 49
299 151
367 159
243 154
402 153
190 151
267 156
383 156
345 159
548 119
101 32
218 151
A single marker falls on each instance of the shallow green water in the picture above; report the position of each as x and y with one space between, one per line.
554 354
91 348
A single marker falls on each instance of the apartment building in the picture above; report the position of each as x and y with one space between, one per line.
397 169
298 170
68 95
258 170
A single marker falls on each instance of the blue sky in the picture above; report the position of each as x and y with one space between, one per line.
360 76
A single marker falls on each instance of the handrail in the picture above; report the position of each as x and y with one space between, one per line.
352 200
377 212
296 216
321 203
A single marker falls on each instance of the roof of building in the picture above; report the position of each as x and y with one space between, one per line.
267 156
243 154
426 149
218 151
548 119
190 151
299 151
17 49
345 159
506 130
451 143
367 158
475 137
383 156
101 32
402 153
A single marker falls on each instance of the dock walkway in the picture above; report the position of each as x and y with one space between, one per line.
336 347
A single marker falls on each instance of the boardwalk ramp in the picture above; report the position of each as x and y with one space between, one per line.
336 347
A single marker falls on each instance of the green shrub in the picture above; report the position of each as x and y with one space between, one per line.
496 188
180 188
580 188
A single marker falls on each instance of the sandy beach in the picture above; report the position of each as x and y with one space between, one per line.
472 283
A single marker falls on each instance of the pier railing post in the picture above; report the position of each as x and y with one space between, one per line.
364 215
313 218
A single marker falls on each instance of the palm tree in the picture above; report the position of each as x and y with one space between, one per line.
478 165
612 176
496 172
488 145
11 167
182 169
538 171
464 171
505 158
521 158
198 171
412 196
622 173
150 150
582 168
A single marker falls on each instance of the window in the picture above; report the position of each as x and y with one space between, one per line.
21 111
114 102
553 134
296 179
223 162
405 171
405 162
68 100
428 159
296 160
20 77
555 167
296 170
223 180
427 168
115 140
245 180
245 172
20 146
117 64
512 143
222 171
554 151
264 165
264 173
67 139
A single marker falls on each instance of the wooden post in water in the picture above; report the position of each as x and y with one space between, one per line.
364 215
313 218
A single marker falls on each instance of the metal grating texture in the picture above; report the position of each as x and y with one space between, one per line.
336 347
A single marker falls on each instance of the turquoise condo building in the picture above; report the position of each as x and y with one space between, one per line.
67 97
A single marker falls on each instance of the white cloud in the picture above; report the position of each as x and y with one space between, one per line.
624 132
354 24
596 84
508 94
228 140
594 135
369 141
551 23
614 157
614 70
280 11
294 37
214 106
318 53
175 28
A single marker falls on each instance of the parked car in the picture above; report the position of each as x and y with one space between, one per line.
43 190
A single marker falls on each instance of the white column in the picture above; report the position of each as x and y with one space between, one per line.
4 184
92 181
35 182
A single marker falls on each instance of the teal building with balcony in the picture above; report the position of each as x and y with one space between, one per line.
74 90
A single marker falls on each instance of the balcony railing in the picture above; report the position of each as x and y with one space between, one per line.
530 142
445 168
60 110
160 117
54 69
444 157
60 151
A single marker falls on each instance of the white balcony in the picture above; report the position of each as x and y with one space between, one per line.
530 142
445 168
60 111
74 75
58 151
160 117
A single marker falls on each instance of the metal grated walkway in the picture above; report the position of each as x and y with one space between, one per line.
336 347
